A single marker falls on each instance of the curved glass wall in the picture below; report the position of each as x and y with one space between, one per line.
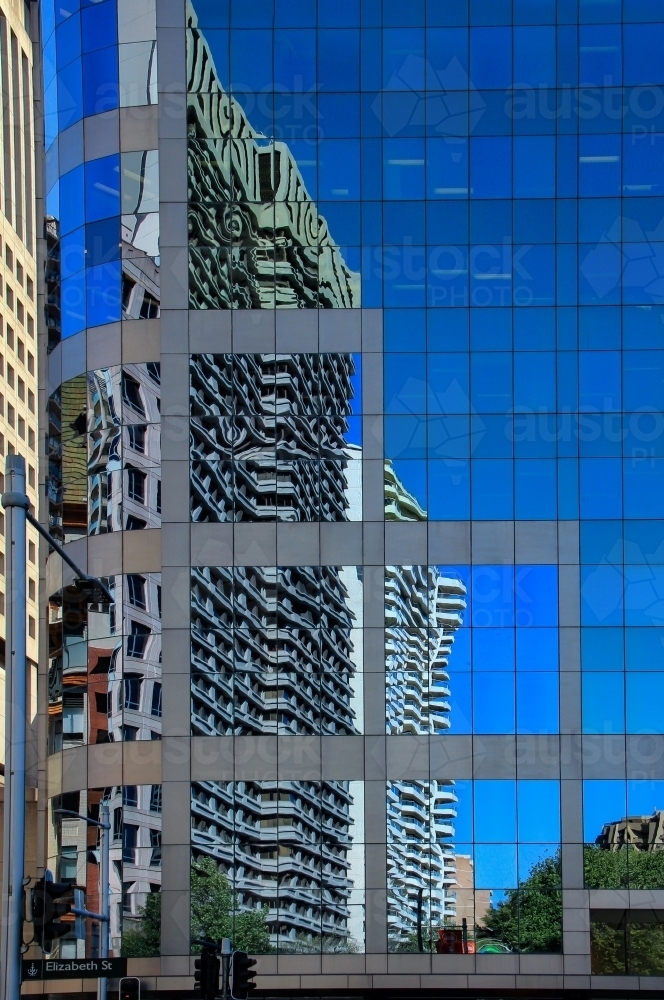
102 204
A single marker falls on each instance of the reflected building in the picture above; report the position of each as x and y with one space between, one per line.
640 833
269 438
287 850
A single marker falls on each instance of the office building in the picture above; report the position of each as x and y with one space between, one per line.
352 360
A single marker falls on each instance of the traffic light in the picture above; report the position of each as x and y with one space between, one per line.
130 988
206 975
242 975
48 909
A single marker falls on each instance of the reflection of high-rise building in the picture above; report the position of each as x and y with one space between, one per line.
256 238
286 848
640 833
269 437
421 869
423 610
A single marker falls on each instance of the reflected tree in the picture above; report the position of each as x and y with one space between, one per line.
144 940
529 919
622 869
215 914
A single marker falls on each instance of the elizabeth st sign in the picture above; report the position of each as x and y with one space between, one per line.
72 968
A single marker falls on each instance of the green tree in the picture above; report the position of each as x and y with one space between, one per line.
623 869
529 919
144 941
214 912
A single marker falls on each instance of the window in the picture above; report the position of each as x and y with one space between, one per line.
155 844
31 363
155 798
10 337
31 476
136 437
153 369
117 823
32 552
136 590
11 416
19 273
158 500
32 627
20 388
136 485
20 312
149 307
132 692
32 590
135 523
129 733
138 640
21 428
31 326
156 700
129 843
9 295
101 702
10 376
9 259
30 288
131 393
20 350
130 795
31 439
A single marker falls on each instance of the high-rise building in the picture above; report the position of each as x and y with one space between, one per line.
353 372
18 340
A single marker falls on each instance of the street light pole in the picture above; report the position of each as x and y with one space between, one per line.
17 506
16 503
104 915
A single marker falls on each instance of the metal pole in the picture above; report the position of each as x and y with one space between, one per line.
16 504
104 925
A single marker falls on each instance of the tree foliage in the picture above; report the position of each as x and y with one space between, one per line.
214 912
623 869
529 919
144 941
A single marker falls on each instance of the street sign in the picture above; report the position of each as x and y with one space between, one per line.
73 968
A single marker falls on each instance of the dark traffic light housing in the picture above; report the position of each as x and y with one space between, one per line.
242 975
206 974
48 910
130 988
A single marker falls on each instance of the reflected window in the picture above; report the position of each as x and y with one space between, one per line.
132 692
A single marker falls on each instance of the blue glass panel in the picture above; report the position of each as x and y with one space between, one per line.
72 298
493 650
602 648
644 485
295 61
70 95
339 169
338 59
493 596
99 26
495 811
492 491
537 649
71 200
102 242
295 13
255 15
644 648
536 595
535 487
100 81
495 866
449 490
104 300
603 701
537 703
491 58
601 595
72 253
644 45
491 167
447 383
644 696
251 63
68 40
538 811
491 382
535 57
600 61
102 188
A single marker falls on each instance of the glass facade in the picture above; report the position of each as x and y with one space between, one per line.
394 628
